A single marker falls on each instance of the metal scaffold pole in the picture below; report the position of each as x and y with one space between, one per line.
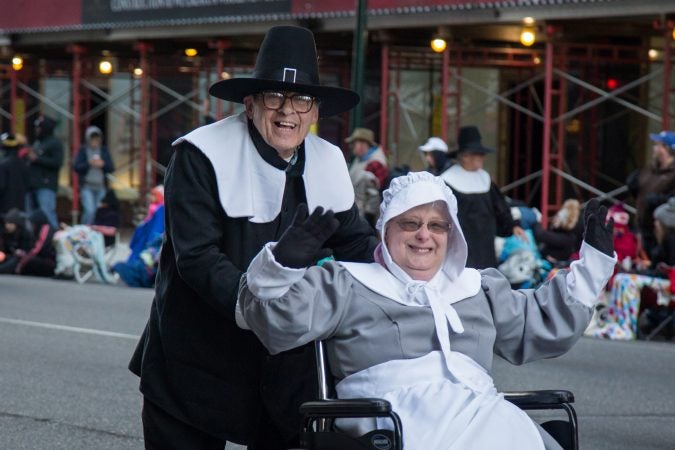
358 60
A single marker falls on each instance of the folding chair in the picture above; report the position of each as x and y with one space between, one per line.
320 433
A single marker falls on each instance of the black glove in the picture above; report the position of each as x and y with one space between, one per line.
302 242
597 234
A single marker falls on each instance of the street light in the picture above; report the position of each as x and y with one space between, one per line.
105 67
438 45
527 37
17 63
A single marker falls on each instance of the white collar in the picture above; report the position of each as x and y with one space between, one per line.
439 294
461 180
250 187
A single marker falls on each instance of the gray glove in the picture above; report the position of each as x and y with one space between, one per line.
302 242
597 233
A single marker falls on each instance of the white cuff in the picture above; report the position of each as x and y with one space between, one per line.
267 279
239 317
589 274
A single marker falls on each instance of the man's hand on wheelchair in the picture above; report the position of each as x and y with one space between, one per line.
301 245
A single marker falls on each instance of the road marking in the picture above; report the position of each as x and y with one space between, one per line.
53 326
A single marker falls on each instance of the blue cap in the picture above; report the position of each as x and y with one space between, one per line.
667 138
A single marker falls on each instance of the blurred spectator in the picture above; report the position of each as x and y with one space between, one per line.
13 174
141 266
45 159
560 242
108 211
108 215
625 241
652 186
435 154
92 164
483 212
40 258
368 172
141 271
15 240
663 254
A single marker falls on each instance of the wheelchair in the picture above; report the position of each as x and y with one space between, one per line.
320 433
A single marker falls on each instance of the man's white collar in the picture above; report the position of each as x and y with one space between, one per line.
250 187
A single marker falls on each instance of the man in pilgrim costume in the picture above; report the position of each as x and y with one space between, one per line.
417 327
483 212
231 187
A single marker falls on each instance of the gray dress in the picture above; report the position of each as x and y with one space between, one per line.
369 328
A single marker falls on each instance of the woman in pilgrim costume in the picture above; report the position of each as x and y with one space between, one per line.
231 187
483 212
417 327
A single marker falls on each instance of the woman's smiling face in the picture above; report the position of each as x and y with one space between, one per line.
419 253
283 129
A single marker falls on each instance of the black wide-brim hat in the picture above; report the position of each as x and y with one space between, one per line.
469 140
287 61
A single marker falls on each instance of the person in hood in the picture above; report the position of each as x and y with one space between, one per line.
15 240
92 165
417 327
231 187
45 160
13 174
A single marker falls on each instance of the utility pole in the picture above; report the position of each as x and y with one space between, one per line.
358 60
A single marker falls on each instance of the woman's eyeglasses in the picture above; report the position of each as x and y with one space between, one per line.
274 100
434 226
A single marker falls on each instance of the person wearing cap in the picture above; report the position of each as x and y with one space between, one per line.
483 211
13 174
45 160
368 172
653 185
92 164
417 327
435 154
231 187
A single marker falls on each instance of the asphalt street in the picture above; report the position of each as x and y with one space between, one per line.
64 382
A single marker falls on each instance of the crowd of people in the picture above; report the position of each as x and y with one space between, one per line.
34 242
256 252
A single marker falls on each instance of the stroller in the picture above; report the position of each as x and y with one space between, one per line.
320 432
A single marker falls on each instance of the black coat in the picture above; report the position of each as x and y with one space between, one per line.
13 182
44 170
193 360
483 216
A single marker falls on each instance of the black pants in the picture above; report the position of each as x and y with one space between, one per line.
162 431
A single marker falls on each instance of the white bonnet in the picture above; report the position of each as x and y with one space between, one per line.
419 188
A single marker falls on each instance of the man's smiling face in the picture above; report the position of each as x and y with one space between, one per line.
283 129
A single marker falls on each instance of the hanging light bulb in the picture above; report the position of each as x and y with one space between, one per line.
527 37
17 63
190 52
438 44
105 67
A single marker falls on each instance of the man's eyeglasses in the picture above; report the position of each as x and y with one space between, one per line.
274 100
434 226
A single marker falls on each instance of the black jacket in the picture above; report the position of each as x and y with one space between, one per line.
483 216
193 360
13 182
44 171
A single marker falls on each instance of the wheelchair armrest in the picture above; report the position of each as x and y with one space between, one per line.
539 399
357 407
